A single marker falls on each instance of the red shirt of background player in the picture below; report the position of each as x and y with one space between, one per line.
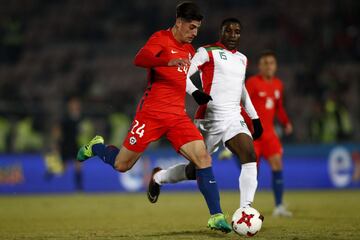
165 92
267 98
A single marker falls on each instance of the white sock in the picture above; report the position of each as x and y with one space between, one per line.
247 183
173 174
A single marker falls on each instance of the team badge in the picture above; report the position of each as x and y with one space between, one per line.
262 94
277 94
132 140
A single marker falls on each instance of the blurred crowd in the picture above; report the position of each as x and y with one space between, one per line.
52 52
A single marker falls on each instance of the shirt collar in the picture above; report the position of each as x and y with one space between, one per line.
263 79
222 45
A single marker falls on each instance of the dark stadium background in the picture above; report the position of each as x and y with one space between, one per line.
52 51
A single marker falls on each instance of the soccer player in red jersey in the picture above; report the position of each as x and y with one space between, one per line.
266 93
222 69
161 112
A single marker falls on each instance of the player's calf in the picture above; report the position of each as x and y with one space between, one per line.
122 167
250 156
246 155
243 147
125 159
121 160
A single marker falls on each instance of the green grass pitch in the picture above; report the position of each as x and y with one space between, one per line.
317 215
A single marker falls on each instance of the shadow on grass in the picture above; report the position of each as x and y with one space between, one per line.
191 234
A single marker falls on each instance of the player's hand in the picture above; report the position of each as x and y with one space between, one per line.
179 62
288 129
201 97
258 129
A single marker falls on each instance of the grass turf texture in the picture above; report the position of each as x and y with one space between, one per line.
317 215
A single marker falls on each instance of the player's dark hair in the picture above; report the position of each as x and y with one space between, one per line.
230 20
70 97
188 11
267 53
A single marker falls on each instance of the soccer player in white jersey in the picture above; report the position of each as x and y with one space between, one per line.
222 69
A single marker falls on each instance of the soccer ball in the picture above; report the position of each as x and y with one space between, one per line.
247 221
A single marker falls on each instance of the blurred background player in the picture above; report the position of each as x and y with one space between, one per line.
222 70
161 111
65 137
69 137
266 92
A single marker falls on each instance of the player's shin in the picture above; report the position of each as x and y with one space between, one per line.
173 174
278 186
106 153
248 183
208 187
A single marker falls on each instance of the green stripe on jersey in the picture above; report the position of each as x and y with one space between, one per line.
213 48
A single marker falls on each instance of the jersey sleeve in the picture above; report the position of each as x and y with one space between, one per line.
280 109
148 55
250 89
247 104
199 59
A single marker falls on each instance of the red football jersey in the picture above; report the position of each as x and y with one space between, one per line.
267 98
166 85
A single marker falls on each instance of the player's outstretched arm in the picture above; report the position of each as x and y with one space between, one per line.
199 96
247 103
147 59
199 59
149 55
250 110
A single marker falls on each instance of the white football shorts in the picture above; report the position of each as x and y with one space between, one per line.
216 132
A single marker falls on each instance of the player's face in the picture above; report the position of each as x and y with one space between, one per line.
74 107
268 66
188 30
230 35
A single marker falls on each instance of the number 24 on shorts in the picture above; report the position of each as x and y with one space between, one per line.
139 130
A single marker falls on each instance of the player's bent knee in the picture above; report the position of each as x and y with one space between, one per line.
249 157
276 166
252 156
275 163
121 167
203 160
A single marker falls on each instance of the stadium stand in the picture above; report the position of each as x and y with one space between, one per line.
51 49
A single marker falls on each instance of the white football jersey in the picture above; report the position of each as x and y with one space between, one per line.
223 77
